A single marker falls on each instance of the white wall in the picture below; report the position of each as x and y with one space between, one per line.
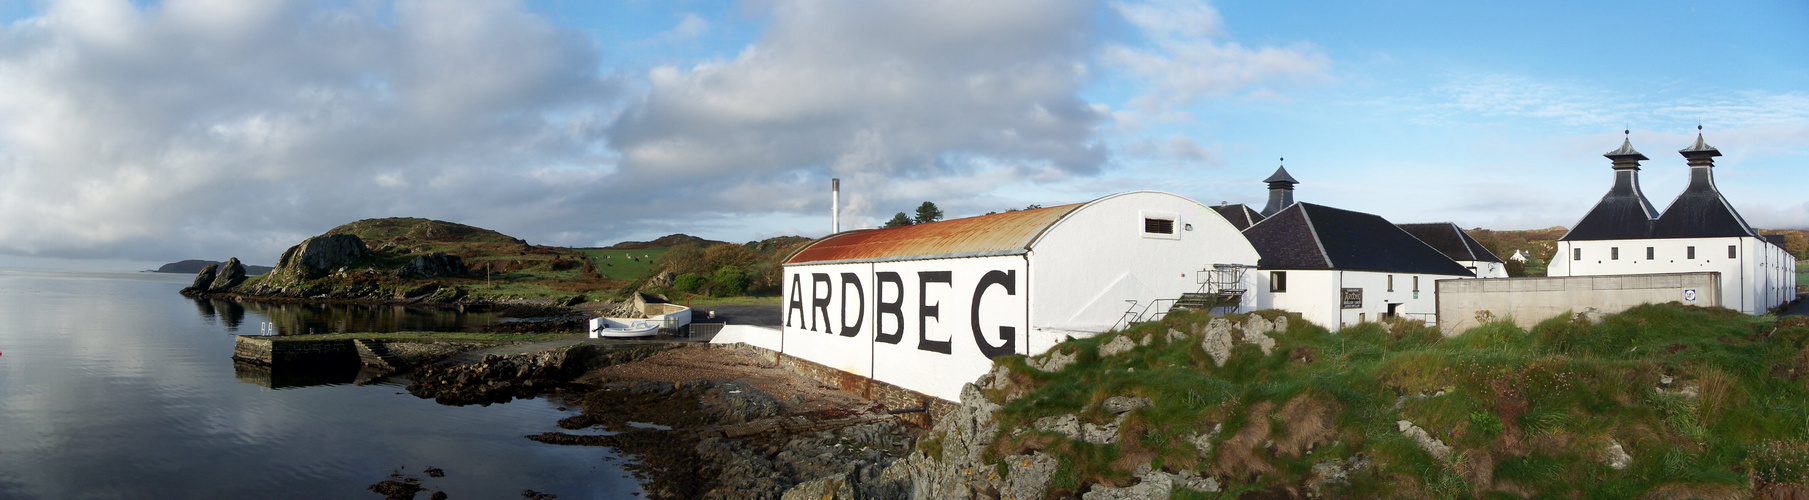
1087 266
925 339
1751 282
1485 269
1318 296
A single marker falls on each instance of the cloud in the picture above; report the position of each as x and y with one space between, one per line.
1186 58
197 128
882 94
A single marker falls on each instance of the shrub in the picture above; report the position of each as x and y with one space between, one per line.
688 282
731 280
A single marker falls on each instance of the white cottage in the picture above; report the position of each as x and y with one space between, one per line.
1338 267
926 307
1700 231
1457 245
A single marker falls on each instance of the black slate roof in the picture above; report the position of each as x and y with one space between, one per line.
1451 240
1701 211
1308 236
1623 213
1240 215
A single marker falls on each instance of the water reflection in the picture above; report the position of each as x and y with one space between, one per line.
288 318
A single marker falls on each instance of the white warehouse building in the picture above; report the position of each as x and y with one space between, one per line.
926 307
1700 231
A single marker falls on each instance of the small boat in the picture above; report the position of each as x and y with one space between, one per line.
636 329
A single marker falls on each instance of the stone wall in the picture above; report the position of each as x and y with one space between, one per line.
265 350
1464 304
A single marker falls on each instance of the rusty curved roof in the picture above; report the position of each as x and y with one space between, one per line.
1009 233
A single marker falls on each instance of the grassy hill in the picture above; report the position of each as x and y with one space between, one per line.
1661 401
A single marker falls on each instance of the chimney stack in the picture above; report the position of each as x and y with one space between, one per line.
835 205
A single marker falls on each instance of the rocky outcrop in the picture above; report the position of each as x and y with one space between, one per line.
500 378
230 275
203 280
315 256
434 265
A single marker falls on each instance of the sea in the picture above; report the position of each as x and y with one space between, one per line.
113 385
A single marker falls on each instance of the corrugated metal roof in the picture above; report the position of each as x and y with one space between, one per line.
1008 233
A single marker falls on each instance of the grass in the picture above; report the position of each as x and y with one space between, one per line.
1525 412
625 265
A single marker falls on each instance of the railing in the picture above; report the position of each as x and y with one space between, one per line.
1134 315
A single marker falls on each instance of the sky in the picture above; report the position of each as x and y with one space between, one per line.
134 133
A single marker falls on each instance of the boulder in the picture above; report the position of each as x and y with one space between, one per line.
314 256
434 265
230 275
203 280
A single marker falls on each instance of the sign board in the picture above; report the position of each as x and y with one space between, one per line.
1353 298
1689 295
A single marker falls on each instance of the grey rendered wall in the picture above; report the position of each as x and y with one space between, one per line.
1531 300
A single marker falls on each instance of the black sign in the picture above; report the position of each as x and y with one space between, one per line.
1353 298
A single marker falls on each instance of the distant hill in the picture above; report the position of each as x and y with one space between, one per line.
193 266
670 240
664 241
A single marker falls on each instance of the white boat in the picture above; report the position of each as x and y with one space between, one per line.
636 329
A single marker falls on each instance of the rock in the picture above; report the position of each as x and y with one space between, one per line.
314 256
834 487
736 401
1054 361
663 279
1280 325
1204 441
1216 341
1328 476
1030 475
1158 485
1432 445
1616 457
1121 404
203 280
998 378
1262 340
1176 335
230 275
1118 345
434 265
1256 324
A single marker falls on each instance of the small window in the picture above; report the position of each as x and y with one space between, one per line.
1278 281
1416 283
1576 254
1158 226
1614 253
1689 252
1649 253
1732 252
1390 282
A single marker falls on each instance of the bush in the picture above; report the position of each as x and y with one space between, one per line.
731 280
688 282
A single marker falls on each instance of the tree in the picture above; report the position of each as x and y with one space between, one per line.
899 220
1797 245
730 281
723 255
927 212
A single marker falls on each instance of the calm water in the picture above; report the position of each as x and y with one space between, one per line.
114 386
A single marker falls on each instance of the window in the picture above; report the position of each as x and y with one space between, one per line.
1576 254
1689 252
1390 282
1732 252
1648 253
1614 253
1416 283
1278 281
1158 226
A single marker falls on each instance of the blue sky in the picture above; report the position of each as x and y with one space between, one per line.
134 133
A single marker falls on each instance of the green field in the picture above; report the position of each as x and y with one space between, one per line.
625 265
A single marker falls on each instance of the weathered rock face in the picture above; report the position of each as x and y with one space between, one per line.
203 280
314 256
230 275
434 265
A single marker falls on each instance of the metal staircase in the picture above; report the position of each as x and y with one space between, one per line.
1221 291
